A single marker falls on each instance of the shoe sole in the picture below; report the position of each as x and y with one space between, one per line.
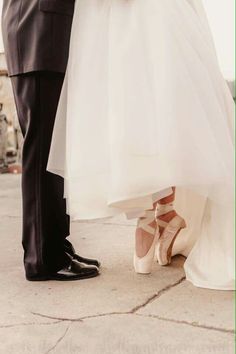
48 278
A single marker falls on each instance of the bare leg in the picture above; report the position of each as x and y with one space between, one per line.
169 215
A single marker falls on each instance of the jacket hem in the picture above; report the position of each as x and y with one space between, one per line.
33 68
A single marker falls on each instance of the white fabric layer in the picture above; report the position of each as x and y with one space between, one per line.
145 107
139 211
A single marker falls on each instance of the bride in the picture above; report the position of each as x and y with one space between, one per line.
145 119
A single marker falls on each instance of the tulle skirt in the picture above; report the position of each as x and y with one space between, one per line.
145 107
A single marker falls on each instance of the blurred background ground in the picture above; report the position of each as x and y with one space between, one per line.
10 134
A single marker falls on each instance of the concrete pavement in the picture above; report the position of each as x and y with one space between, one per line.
118 312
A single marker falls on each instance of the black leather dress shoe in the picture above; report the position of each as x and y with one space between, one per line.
87 261
75 271
70 249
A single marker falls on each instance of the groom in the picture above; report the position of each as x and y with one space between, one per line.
36 36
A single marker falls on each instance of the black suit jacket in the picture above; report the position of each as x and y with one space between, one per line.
36 34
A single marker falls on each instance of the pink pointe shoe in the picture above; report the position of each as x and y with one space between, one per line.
143 265
167 238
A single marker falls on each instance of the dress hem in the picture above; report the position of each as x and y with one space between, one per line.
204 285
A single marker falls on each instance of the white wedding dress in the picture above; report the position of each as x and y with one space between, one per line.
145 107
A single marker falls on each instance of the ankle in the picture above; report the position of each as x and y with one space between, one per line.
169 199
168 216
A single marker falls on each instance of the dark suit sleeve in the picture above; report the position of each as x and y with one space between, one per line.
36 34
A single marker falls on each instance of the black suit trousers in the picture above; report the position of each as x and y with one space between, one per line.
45 223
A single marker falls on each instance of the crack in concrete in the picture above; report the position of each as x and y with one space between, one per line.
60 319
29 324
134 311
157 295
192 324
58 341
130 312
182 322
